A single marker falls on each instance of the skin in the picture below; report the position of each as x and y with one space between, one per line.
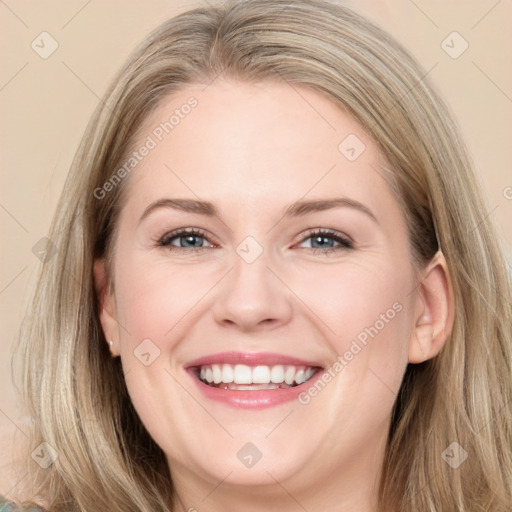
252 150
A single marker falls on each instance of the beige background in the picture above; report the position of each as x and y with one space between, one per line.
45 104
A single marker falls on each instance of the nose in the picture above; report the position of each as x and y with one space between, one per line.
253 297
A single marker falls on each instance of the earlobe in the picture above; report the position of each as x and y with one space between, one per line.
422 345
434 311
107 310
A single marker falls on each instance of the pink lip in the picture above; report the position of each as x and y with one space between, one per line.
251 359
259 399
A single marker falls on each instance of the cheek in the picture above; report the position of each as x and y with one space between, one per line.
366 311
152 299
155 305
357 300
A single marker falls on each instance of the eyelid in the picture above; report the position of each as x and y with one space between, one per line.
186 231
331 233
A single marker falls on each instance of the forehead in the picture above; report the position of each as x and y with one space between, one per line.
254 145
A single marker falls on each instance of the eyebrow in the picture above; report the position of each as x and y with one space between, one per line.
296 209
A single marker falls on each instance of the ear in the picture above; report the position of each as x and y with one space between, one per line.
434 311
108 317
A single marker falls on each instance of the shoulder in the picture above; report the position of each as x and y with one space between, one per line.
7 506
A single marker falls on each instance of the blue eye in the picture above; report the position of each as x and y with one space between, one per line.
324 240
188 239
192 240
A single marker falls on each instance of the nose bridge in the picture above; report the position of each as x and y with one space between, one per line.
252 295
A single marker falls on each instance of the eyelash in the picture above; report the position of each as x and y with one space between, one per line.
345 243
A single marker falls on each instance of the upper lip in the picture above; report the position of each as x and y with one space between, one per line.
251 359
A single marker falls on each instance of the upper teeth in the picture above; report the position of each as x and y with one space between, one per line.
243 374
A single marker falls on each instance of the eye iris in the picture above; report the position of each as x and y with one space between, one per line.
321 240
190 239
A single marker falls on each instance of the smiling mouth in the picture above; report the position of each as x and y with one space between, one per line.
241 377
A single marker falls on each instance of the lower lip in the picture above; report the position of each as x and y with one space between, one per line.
257 399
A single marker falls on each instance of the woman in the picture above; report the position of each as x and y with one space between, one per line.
337 335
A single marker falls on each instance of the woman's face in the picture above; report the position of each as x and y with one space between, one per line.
298 267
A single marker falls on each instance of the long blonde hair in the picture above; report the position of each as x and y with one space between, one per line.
76 393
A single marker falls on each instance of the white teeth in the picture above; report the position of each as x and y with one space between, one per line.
277 374
261 375
289 375
242 374
227 373
217 375
255 377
